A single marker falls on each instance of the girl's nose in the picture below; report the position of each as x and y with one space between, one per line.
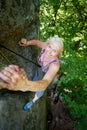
50 51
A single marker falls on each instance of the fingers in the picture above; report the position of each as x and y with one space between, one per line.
3 77
14 67
23 42
4 84
23 74
11 73
11 76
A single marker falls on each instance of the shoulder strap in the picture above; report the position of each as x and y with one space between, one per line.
56 60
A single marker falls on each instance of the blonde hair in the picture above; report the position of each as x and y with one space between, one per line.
57 41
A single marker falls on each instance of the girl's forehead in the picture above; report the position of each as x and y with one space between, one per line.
54 45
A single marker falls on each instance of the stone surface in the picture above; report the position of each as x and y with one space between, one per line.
12 115
19 18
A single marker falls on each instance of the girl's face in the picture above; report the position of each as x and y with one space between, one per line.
52 50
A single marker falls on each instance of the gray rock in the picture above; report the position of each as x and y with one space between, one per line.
19 18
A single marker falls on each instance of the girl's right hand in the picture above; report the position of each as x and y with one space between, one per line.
12 76
23 42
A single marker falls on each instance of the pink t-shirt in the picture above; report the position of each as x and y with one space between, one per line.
45 66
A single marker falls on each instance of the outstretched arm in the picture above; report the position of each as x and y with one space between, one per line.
15 79
40 84
25 42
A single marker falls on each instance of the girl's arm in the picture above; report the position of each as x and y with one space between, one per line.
52 71
40 84
25 42
17 80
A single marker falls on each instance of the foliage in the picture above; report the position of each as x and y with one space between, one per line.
67 19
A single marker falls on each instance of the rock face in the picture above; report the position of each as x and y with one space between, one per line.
19 18
12 116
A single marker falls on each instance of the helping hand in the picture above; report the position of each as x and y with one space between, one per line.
11 76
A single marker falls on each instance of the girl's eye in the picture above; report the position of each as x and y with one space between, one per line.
54 51
49 46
